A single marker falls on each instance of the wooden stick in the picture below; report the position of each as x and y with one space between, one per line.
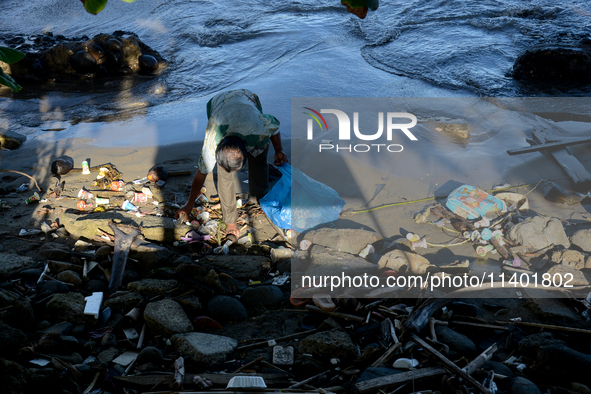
449 365
549 145
298 334
22 173
480 360
140 341
303 382
249 364
345 316
465 323
548 326
388 355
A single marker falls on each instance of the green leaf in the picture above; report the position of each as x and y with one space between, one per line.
128 1
9 55
7 80
94 6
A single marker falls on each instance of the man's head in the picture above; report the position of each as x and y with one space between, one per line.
231 153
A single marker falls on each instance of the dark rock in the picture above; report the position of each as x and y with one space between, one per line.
69 307
523 386
261 298
325 261
131 52
150 354
124 303
166 317
464 309
11 338
104 250
60 266
112 44
129 276
113 60
582 240
11 140
21 314
529 345
343 240
96 51
226 309
239 267
147 63
553 64
204 349
456 341
53 287
68 276
147 287
190 305
11 263
96 286
184 259
57 61
31 274
108 355
83 62
62 328
498 367
69 343
329 344
14 379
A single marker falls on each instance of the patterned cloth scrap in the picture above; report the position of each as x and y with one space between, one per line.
239 113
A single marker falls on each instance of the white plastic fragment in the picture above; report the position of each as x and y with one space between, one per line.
405 363
272 342
40 362
126 358
93 304
369 249
130 333
246 382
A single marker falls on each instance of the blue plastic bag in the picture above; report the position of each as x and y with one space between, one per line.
299 202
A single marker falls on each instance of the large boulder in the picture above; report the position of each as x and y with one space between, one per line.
539 232
11 140
553 64
154 228
68 307
204 349
325 261
343 240
582 240
11 263
242 267
166 317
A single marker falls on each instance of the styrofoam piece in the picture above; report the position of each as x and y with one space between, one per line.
405 363
247 382
130 333
40 362
93 304
126 358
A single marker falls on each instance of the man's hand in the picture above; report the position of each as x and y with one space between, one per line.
232 228
280 158
184 213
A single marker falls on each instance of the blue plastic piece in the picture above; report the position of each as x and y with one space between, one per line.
299 202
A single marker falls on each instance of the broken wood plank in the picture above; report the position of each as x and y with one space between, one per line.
480 360
451 366
387 382
547 145
480 325
573 167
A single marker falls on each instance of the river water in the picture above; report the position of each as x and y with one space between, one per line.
283 49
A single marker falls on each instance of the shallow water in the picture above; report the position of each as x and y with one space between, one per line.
282 50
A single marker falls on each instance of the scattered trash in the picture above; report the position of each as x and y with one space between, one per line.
93 304
34 198
85 168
